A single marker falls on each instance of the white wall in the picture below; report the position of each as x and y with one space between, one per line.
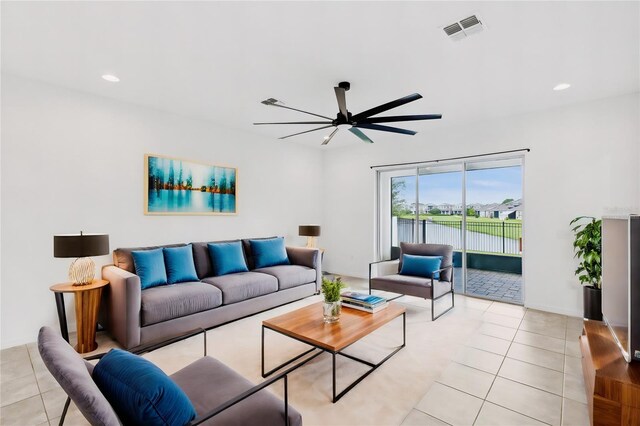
74 162
583 161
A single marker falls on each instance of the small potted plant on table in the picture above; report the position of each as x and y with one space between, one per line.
331 290
588 248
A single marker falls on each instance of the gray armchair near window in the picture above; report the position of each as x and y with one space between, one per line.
384 275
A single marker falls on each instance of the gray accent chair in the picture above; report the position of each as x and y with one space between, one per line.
385 275
135 317
220 395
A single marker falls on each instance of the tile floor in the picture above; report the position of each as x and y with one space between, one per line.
484 363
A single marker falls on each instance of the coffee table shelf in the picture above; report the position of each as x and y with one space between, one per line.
307 326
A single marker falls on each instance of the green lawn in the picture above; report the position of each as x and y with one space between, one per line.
483 225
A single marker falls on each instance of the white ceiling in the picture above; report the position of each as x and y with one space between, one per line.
217 61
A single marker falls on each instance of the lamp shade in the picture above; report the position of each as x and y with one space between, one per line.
309 230
80 245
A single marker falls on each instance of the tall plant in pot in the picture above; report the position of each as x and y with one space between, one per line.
587 246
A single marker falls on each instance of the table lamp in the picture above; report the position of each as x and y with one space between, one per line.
311 232
81 246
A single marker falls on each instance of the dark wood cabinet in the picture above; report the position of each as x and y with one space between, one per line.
612 384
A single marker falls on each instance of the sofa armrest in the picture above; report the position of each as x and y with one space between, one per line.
309 257
124 305
383 267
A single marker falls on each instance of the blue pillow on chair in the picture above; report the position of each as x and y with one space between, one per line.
149 266
269 252
421 266
179 264
227 258
141 393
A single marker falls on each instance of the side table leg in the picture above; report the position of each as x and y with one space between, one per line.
62 315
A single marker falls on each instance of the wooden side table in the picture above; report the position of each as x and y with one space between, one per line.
87 300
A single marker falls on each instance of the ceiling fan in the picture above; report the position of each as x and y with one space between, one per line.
354 123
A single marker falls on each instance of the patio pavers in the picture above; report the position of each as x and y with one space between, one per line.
502 286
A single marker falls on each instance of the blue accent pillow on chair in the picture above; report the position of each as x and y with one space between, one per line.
141 393
421 266
270 252
227 258
179 264
149 266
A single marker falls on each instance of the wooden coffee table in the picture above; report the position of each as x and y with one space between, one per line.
306 325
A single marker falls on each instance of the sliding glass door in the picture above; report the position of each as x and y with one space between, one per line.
440 198
475 206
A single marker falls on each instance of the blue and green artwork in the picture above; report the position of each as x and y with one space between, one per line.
175 186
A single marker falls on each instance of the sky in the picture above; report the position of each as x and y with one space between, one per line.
483 186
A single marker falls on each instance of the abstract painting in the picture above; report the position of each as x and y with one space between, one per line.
183 187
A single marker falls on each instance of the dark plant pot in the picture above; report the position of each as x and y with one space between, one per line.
592 298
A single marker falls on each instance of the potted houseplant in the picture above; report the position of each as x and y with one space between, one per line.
587 246
331 290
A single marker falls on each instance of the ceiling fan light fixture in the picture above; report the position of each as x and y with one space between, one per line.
344 126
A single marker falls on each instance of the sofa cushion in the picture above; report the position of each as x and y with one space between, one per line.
71 372
150 267
122 256
290 275
202 260
177 300
140 392
421 266
248 254
227 258
208 383
179 264
243 285
269 252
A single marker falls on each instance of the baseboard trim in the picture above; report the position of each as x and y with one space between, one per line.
553 309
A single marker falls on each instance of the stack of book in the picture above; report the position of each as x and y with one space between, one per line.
364 302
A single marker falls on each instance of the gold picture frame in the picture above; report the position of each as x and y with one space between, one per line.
177 186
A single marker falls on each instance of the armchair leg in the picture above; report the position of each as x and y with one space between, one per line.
64 411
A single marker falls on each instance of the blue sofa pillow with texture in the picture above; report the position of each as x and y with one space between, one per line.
227 258
149 266
269 252
421 266
141 393
179 264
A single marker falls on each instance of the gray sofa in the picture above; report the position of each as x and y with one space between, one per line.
135 317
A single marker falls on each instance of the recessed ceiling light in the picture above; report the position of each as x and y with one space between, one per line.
111 78
561 86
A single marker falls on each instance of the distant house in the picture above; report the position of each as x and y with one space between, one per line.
512 210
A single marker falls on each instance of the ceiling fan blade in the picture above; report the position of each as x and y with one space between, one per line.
342 101
387 106
295 122
328 138
385 128
306 131
299 110
394 118
361 135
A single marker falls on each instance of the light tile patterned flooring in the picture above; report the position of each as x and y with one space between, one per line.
523 367
519 367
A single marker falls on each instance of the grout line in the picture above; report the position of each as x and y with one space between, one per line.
44 407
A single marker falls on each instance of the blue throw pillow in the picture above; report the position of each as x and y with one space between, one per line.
141 393
227 258
179 264
421 266
149 266
269 252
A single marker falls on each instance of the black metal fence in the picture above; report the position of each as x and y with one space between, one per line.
491 237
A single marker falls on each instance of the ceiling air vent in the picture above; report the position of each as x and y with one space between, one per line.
464 28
